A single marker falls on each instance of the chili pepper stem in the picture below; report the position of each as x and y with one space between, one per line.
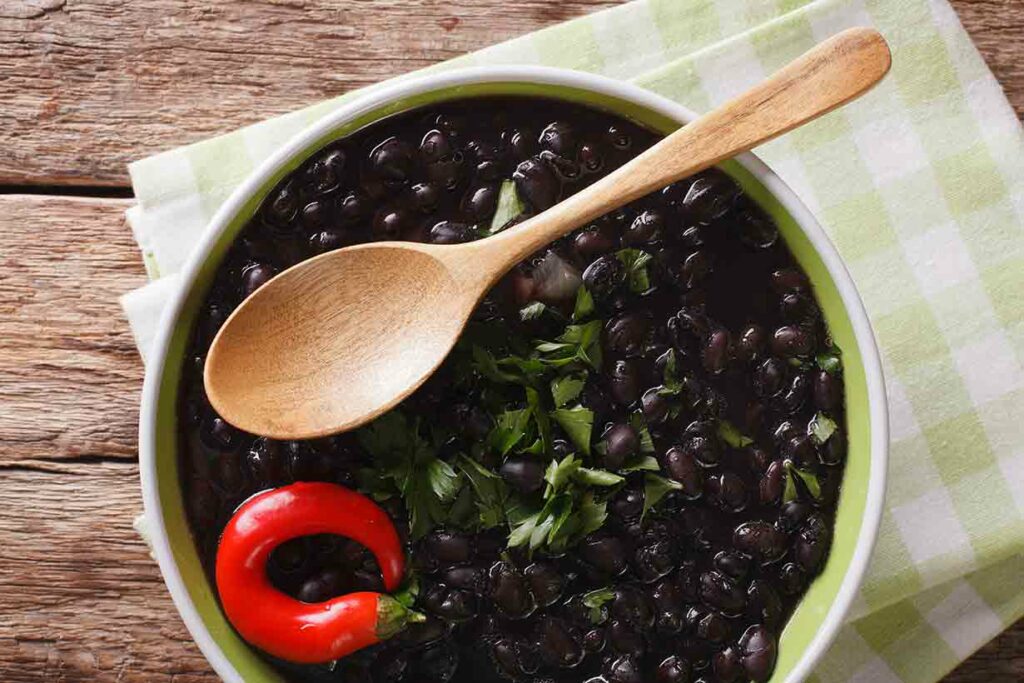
393 617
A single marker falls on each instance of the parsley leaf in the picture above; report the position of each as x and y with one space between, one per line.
578 423
490 489
509 207
657 487
584 307
639 425
511 428
822 427
559 473
830 360
732 436
532 311
672 383
578 343
635 261
565 389
642 463
595 601
593 477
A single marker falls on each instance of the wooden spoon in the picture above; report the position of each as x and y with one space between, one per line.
337 340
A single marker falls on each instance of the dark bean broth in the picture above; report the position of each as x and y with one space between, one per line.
701 585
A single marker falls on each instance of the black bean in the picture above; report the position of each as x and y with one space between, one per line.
480 202
566 170
656 406
546 583
727 666
353 208
710 196
812 544
388 224
728 491
792 342
449 547
506 656
291 556
229 473
734 565
604 277
325 174
788 280
605 553
756 230
645 228
439 662
760 540
430 630
591 243
673 669
315 214
425 196
703 448
772 483
217 434
327 240
765 602
560 138
715 353
792 579
828 391
625 638
793 514
758 458
281 205
624 381
434 147
750 344
524 474
654 561
511 592
255 276
794 396
450 232
720 592
450 604
681 465
323 586
591 157
594 640
800 449
713 628
757 650
391 161
627 334
266 466
628 504
625 669
769 377
558 645
536 184
464 578
619 138
621 442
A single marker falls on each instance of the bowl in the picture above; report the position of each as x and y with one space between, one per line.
820 614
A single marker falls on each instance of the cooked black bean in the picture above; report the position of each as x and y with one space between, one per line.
624 381
769 377
604 276
757 651
728 491
656 405
510 591
391 160
546 583
590 244
792 579
450 232
536 184
792 342
439 662
525 475
722 593
772 482
645 228
605 553
766 602
812 543
673 669
625 669
710 196
620 443
449 548
628 504
681 465
627 334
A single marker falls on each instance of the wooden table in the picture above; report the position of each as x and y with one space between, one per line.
85 87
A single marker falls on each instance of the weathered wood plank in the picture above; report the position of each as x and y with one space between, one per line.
69 372
80 598
89 85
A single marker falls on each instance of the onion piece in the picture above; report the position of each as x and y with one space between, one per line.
555 280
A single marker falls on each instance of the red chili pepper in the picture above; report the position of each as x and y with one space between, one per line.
288 628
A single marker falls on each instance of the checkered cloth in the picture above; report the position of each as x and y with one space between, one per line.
921 186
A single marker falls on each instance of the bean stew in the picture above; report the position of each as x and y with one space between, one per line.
625 472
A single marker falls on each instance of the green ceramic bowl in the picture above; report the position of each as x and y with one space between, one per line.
820 614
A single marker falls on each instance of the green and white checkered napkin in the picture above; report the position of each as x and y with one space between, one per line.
921 186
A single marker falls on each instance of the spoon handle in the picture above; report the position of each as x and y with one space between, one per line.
823 78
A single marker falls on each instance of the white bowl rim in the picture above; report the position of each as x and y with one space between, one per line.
541 75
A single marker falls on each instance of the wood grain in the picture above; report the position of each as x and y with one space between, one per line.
69 371
88 85
80 598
